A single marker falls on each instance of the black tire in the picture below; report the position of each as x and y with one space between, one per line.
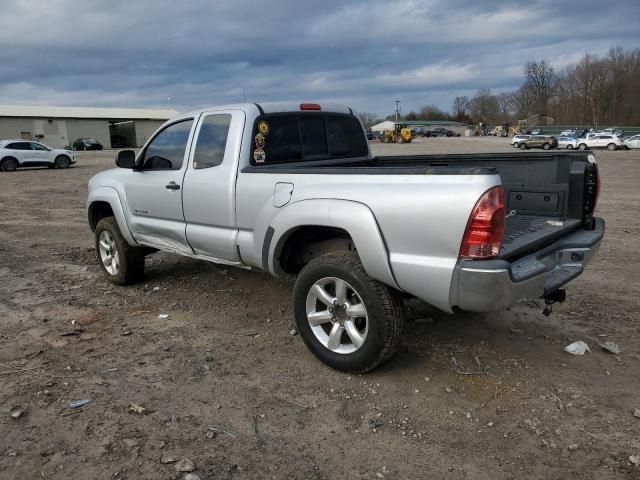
611 147
546 146
131 259
516 145
523 146
8 164
62 161
569 147
383 306
582 146
399 139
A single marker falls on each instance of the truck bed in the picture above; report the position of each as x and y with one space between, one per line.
548 195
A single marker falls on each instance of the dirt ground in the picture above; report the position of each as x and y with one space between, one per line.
223 384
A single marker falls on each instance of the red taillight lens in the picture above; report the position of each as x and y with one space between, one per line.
309 106
485 230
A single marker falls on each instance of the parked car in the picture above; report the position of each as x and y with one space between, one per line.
618 132
533 131
568 133
632 142
87 144
20 153
293 190
546 142
420 132
443 132
610 142
568 142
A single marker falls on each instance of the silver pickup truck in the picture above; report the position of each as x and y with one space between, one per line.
292 189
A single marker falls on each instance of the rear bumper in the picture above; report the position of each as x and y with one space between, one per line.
493 285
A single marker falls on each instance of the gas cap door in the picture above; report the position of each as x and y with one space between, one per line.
282 194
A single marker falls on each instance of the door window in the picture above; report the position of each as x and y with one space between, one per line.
166 150
19 146
37 146
212 141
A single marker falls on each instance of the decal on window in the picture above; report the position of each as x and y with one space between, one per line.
263 127
259 156
259 140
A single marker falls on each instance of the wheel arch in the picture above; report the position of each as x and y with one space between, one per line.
104 202
315 226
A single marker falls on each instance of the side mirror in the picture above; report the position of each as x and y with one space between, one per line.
126 159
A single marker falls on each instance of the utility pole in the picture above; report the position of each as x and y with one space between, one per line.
397 110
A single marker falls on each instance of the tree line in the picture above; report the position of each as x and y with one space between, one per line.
595 91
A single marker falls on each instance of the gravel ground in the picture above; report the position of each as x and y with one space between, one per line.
222 388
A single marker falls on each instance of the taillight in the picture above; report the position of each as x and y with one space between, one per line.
485 230
309 106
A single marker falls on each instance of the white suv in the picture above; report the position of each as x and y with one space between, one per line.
25 153
601 140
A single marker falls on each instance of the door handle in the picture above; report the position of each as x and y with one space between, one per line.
172 186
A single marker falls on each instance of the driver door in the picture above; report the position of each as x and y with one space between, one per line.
154 189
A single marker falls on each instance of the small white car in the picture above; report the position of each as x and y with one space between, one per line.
568 142
518 139
26 153
567 133
632 142
600 140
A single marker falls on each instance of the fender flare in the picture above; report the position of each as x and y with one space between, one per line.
353 217
110 196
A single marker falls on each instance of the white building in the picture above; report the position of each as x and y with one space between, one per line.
58 127
386 125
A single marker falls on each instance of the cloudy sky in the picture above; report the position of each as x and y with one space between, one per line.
366 53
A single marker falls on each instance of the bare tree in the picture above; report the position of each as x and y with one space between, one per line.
367 119
431 112
460 107
505 102
484 107
540 78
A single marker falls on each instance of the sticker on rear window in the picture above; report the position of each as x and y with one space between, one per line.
263 127
259 156
259 140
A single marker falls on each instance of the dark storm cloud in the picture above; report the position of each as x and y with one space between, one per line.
365 53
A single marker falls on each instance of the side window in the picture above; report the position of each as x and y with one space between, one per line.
346 137
166 150
212 141
37 146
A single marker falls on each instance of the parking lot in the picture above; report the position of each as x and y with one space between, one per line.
223 381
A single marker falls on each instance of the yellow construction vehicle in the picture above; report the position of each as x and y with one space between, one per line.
399 134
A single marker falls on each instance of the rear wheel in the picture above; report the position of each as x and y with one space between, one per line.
611 147
348 320
569 147
8 164
546 146
516 145
523 146
63 161
582 146
122 263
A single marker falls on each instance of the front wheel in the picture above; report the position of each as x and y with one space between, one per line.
523 146
569 147
347 319
582 146
611 147
516 145
122 263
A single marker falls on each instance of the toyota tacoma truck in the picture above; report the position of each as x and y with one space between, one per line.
293 190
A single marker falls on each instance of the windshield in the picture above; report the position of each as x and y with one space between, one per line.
91 140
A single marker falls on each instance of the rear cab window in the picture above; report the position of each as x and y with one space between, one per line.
306 136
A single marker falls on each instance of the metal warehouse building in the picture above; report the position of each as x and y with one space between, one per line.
58 127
